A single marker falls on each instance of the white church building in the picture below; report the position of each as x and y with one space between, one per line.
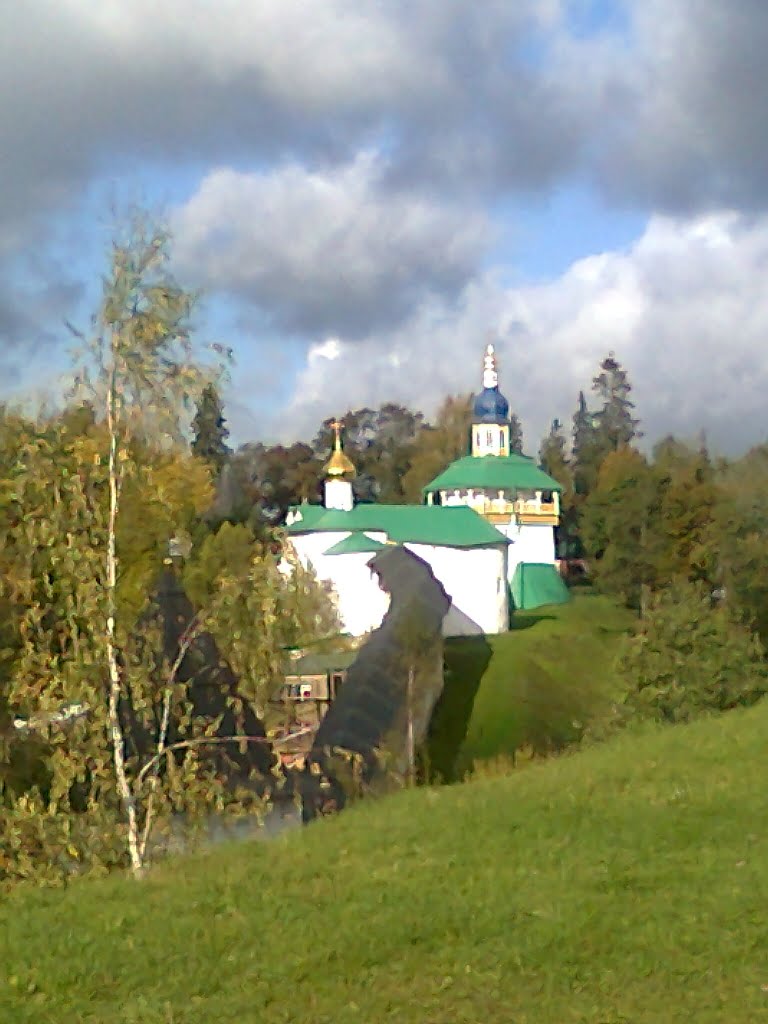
486 529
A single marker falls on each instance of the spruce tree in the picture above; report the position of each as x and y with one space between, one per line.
515 435
553 459
552 454
616 426
585 455
210 431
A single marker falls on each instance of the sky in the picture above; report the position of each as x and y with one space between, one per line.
368 191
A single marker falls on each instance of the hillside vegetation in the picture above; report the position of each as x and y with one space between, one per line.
534 688
626 883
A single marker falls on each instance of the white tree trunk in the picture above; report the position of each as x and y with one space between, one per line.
115 729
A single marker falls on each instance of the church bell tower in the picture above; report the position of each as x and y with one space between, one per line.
490 414
339 473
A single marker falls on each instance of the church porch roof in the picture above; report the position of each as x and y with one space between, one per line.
436 525
354 544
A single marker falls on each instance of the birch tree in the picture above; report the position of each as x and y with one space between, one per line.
140 371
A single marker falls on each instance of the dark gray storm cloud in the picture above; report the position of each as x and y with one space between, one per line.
326 252
689 133
94 91
479 98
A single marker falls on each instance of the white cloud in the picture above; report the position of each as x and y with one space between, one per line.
326 251
472 103
685 309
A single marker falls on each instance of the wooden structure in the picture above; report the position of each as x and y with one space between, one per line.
311 685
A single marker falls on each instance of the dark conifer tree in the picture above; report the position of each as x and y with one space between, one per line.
515 435
210 430
585 455
615 423
553 456
553 459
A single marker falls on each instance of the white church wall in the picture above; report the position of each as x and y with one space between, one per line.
475 580
362 604
339 495
530 543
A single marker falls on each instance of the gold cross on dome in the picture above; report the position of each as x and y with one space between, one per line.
336 426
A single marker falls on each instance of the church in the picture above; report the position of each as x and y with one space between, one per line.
486 528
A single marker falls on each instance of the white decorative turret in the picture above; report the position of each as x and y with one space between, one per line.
490 373
339 472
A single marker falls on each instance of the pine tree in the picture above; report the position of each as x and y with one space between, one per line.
615 424
210 431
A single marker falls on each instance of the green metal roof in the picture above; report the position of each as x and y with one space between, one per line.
536 584
312 664
458 527
355 543
496 472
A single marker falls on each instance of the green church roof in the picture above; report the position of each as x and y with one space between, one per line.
459 527
496 472
355 543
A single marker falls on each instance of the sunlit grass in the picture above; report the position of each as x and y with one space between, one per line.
623 883
531 689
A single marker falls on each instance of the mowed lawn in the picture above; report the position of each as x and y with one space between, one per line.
552 672
624 883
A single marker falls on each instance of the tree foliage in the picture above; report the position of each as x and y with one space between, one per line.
267 480
585 451
690 657
615 423
380 442
515 434
259 602
438 444
740 537
210 433
93 500
617 526
688 498
553 459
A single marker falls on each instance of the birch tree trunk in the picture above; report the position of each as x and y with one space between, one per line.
113 712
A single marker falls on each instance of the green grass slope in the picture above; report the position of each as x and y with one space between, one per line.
528 686
626 883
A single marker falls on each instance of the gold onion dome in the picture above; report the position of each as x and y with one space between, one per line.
339 464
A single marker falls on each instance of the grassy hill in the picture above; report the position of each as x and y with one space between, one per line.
626 883
529 686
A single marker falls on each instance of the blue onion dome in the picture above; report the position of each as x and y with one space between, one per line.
490 405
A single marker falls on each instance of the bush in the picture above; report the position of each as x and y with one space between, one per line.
690 657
